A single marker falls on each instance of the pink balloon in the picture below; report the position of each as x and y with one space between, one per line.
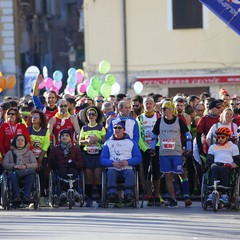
41 85
79 77
56 90
48 82
86 82
70 90
57 85
81 88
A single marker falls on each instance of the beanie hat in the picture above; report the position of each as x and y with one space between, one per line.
120 123
67 131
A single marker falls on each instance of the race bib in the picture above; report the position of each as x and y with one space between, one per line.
94 149
168 144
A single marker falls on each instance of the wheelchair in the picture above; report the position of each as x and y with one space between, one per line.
232 191
105 201
7 197
55 182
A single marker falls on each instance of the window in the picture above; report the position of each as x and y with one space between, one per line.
187 14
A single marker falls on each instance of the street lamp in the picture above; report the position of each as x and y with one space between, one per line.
72 55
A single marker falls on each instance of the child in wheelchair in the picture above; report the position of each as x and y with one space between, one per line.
221 159
66 161
119 155
20 163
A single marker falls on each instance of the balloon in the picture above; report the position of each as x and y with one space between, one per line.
86 82
81 71
110 79
79 76
69 90
105 90
72 81
56 90
41 85
95 83
115 88
91 92
57 85
2 82
10 82
45 72
138 87
57 76
71 71
48 82
81 88
104 67
0 74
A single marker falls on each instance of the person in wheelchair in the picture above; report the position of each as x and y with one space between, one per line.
119 155
221 159
66 159
20 163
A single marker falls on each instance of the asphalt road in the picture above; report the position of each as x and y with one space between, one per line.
148 223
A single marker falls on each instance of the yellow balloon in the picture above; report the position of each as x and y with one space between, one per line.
0 74
81 71
2 82
1 90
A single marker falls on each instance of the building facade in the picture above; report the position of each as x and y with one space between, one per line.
170 46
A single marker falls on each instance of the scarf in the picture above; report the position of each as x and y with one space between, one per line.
66 148
19 154
64 118
149 114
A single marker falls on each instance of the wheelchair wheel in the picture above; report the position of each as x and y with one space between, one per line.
4 191
215 201
37 191
204 192
136 190
104 189
236 193
51 190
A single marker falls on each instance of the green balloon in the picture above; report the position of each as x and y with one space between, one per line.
110 79
104 67
106 90
91 92
95 83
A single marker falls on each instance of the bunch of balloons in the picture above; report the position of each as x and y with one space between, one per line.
7 83
104 87
75 78
52 84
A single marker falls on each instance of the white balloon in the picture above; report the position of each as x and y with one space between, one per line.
115 88
138 87
45 72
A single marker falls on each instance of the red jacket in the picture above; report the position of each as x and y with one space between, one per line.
8 132
57 160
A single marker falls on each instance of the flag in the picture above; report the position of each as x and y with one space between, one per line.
227 10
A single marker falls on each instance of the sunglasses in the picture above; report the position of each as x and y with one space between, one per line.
61 106
135 105
92 114
117 127
35 116
163 109
218 107
99 101
221 136
12 114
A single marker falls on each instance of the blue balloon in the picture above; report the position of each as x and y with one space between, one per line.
71 71
57 76
72 81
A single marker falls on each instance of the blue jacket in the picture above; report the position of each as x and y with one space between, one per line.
120 149
131 127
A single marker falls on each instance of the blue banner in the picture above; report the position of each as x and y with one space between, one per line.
30 76
226 10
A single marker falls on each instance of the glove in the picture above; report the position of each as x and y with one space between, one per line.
152 152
